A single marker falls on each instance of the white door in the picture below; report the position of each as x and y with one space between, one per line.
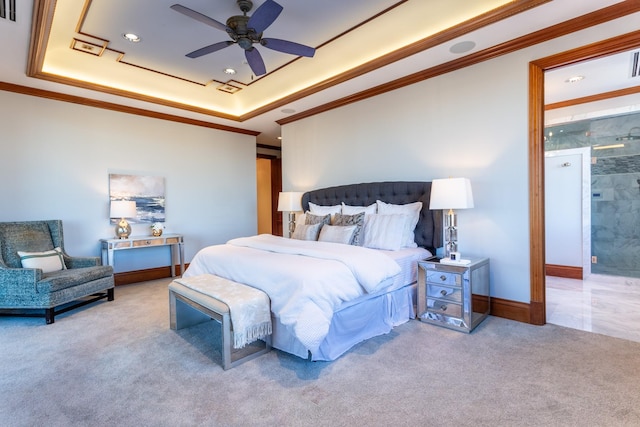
568 208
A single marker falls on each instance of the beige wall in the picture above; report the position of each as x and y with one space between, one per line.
471 122
56 158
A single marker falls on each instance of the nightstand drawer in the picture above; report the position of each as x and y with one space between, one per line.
444 278
444 293
444 307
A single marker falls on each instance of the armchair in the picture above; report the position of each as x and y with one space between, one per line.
26 291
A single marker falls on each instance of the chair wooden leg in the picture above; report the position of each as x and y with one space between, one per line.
49 315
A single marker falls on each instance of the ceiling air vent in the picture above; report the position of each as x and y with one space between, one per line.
8 13
635 64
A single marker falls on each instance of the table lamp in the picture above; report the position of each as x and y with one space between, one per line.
451 193
290 201
123 209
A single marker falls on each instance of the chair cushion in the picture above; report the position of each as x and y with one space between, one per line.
63 279
47 261
28 237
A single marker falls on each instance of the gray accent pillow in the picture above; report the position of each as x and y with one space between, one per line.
307 232
311 219
337 234
357 220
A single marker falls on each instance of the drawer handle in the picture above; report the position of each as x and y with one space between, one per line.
443 307
443 292
443 277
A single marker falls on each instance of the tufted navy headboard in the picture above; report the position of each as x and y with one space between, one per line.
428 232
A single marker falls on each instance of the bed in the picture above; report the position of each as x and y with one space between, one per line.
327 297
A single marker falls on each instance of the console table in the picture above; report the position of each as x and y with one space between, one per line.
174 241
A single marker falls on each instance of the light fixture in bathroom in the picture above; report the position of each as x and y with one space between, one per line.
574 79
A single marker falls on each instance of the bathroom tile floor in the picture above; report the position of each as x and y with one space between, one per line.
607 305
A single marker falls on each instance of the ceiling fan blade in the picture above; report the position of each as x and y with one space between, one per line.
288 47
209 49
199 17
255 61
264 16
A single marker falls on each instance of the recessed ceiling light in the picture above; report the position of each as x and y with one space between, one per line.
462 47
288 110
574 79
229 71
134 38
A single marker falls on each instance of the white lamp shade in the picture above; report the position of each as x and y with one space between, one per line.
290 201
451 193
123 209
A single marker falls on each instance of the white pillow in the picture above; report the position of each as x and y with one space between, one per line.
411 209
306 232
352 210
324 210
384 231
301 218
47 261
337 233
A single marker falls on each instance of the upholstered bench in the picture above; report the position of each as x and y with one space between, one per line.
244 314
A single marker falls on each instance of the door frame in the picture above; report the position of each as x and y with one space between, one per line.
625 42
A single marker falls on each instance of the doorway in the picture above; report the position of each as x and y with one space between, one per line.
269 185
537 306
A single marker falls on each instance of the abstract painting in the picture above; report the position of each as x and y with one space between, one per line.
146 191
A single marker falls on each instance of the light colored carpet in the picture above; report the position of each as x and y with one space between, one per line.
118 364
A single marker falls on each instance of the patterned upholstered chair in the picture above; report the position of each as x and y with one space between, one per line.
37 278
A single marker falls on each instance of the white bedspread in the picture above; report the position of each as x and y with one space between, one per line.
305 280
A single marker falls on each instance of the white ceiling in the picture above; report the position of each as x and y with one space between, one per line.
154 74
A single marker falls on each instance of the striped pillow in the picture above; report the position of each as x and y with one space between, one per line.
47 261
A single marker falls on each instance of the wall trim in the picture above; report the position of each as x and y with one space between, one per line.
135 276
57 96
597 17
512 310
566 271
43 11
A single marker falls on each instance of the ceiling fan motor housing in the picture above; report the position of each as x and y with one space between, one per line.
241 33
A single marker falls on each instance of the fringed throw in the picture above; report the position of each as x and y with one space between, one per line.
249 308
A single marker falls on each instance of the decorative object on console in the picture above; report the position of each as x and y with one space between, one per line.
451 193
156 229
123 209
290 201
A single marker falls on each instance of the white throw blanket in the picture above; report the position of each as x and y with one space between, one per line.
306 281
249 308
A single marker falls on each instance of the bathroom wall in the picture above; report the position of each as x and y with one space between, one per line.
615 187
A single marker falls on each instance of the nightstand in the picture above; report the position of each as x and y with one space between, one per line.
453 296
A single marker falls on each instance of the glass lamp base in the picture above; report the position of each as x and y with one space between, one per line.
123 229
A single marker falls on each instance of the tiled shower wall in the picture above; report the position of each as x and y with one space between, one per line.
615 187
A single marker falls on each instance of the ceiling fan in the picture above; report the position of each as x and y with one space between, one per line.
245 31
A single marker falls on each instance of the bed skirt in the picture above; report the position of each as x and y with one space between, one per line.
353 324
